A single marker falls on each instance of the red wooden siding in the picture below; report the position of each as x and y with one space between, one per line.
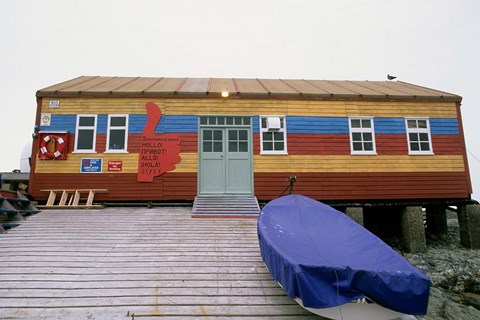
121 187
365 186
393 144
447 144
339 144
309 144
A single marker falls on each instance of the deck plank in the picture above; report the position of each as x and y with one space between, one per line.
115 262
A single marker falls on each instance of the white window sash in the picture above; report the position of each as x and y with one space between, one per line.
362 130
78 127
282 129
109 128
419 130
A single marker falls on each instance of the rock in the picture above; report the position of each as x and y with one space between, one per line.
443 306
454 273
457 311
471 299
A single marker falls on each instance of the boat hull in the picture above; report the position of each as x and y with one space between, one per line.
323 258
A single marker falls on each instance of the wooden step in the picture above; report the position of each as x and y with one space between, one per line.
225 206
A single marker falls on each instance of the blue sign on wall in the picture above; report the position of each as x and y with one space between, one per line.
91 165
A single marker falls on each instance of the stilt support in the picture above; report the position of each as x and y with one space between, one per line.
469 222
413 231
355 213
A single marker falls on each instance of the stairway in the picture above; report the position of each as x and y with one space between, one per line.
225 206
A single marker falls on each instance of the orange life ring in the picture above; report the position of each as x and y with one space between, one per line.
56 146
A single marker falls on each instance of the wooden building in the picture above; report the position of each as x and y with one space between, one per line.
164 139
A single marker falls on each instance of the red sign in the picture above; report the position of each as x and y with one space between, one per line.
114 165
158 152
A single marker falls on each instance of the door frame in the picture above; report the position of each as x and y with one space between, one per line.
225 141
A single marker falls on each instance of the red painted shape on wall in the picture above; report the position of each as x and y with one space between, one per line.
158 152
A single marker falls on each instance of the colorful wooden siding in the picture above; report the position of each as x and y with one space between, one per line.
365 186
318 144
121 186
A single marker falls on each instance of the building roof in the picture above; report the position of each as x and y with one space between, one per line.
243 88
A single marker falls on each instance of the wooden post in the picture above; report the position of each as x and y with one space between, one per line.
76 199
91 194
64 198
51 197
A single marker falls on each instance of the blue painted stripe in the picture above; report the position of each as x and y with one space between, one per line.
168 123
256 124
295 124
389 126
61 122
317 125
173 123
102 123
311 125
136 123
444 126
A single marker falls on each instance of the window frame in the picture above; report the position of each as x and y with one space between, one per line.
282 129
109 128
94 138
362 130
418 131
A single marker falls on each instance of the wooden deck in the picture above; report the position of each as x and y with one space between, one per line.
125 263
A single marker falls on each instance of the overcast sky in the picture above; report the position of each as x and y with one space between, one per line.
434 43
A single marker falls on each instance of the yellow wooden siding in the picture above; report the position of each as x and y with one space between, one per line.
332 163
129 163
291 163
226 106
103 106
254 107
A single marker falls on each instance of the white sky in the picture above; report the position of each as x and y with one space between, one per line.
434 43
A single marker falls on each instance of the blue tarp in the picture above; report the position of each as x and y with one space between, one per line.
322 256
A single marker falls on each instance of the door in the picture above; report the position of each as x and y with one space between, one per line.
212 156
238 164
225 161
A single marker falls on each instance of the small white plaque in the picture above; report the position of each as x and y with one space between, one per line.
45 119
54 104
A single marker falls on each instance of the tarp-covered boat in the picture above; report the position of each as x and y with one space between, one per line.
324 259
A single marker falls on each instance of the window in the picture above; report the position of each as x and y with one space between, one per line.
273 135
85 133
418 134
238 140
212 140
362 136
224 121
117 133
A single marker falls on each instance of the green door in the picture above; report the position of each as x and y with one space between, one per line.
238 161
212 161
225 161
